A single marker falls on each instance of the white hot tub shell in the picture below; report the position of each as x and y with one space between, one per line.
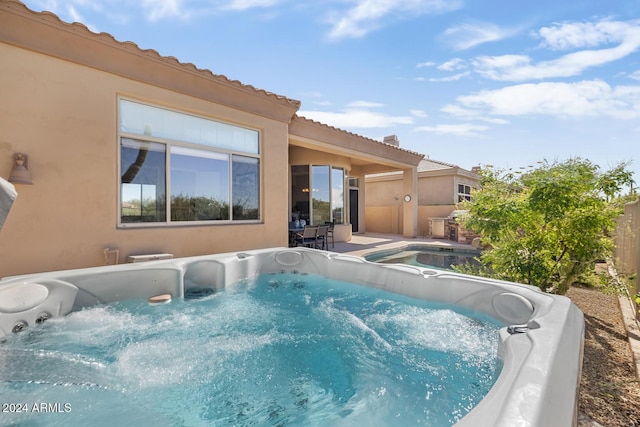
541 341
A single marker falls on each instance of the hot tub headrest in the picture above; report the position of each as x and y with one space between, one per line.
27 303
513 308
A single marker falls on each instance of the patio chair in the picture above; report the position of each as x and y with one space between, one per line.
307 237
321 239
330 234
293 230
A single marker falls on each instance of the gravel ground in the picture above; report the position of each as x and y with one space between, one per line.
609 390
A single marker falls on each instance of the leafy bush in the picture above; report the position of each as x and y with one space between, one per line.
546 226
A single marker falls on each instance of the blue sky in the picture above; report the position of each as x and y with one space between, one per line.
491 82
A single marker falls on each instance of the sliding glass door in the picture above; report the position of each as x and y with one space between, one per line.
317 193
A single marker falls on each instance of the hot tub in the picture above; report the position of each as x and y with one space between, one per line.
540 336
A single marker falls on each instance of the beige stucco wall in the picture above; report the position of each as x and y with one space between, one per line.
436 190
385 204
388 219
64 116
385 207
384 219
432 189
384 193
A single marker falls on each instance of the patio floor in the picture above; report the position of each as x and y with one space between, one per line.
362 244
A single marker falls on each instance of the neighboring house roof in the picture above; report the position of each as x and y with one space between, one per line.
427 164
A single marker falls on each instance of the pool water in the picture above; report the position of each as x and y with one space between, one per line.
422 256
280 349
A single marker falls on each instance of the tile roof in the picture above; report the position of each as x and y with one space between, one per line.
106 38
428 164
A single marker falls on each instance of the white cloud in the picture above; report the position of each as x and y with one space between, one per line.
521 67
75 15
250 4
469 114
452 65
493 121
369 15
357 116
466 36
364 104
317 98
159 9
425 64
581 99
418 113
635 75
450 78
121 11
570 35
464 129
459 111
69 11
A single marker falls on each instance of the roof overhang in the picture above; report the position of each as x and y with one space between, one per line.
367 155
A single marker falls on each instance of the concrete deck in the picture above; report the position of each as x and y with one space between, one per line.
362 244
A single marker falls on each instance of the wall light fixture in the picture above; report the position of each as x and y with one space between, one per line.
20 173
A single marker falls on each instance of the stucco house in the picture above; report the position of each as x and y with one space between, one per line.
441 187
134 153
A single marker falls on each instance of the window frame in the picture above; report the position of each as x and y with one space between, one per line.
168 143
464 195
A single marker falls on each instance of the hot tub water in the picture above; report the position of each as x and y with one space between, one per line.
280 349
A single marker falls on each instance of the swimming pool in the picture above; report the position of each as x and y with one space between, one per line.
537 342
428 256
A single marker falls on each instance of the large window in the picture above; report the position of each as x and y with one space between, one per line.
317 193
142 181
210 170
246 187
199 185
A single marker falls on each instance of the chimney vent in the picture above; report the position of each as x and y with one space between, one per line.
391 140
